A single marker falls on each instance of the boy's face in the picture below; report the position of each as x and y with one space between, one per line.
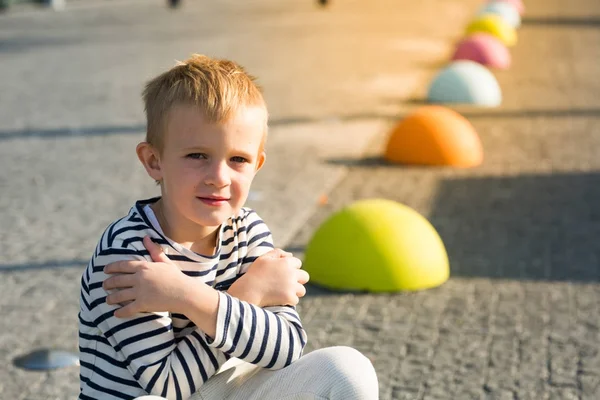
206 168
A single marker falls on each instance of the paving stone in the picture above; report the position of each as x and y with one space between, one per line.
564 394
590 387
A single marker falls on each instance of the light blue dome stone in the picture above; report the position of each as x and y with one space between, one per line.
465 82
504 9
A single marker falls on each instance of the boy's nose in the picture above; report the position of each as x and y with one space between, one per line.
219 175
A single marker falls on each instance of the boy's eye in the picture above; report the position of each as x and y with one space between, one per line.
239 159
196 156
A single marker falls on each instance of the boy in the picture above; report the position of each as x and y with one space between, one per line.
170 326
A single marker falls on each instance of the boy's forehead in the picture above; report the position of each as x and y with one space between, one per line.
244 115
187 123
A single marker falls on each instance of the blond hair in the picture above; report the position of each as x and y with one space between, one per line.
217 87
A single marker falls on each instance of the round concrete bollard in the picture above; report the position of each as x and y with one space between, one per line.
504 9
377 245
484 49
434 135
46 359
494 25
465 82
518 4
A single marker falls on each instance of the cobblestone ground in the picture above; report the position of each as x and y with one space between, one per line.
519 319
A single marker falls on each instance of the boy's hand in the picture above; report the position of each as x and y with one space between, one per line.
274 279
146 286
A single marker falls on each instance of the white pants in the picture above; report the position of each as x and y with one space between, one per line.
333 373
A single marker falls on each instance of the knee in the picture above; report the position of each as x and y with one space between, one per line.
342 357
350 373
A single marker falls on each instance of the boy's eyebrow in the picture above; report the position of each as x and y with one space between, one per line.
195 148
243 153
237 152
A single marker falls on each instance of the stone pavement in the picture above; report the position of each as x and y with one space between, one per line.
519 319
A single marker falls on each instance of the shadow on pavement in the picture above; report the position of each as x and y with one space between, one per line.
65 132
471 112
53 264
25 44
71 132
528 113
590 21
531 227
365 162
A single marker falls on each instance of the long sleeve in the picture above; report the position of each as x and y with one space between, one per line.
145 344
271 337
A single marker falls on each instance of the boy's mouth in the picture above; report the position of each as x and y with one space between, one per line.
212 200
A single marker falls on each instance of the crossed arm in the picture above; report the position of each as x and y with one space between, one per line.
245 322
275 279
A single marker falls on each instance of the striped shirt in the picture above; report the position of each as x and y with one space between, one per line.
166 354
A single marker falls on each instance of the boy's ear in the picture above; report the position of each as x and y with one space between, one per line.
150 158
262 156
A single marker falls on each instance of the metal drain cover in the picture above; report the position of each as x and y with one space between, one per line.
45 359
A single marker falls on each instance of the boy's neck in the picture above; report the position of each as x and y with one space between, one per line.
199 239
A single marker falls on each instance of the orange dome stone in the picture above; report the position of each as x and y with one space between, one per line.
434 135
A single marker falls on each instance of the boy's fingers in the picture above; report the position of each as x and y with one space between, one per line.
155 251
295 301
122 267
119 281
300 290
303 276
120 296
128 311
294 262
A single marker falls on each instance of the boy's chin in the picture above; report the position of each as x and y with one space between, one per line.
215 219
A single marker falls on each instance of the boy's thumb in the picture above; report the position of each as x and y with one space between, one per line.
155 251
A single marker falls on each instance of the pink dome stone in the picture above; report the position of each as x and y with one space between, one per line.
484 49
